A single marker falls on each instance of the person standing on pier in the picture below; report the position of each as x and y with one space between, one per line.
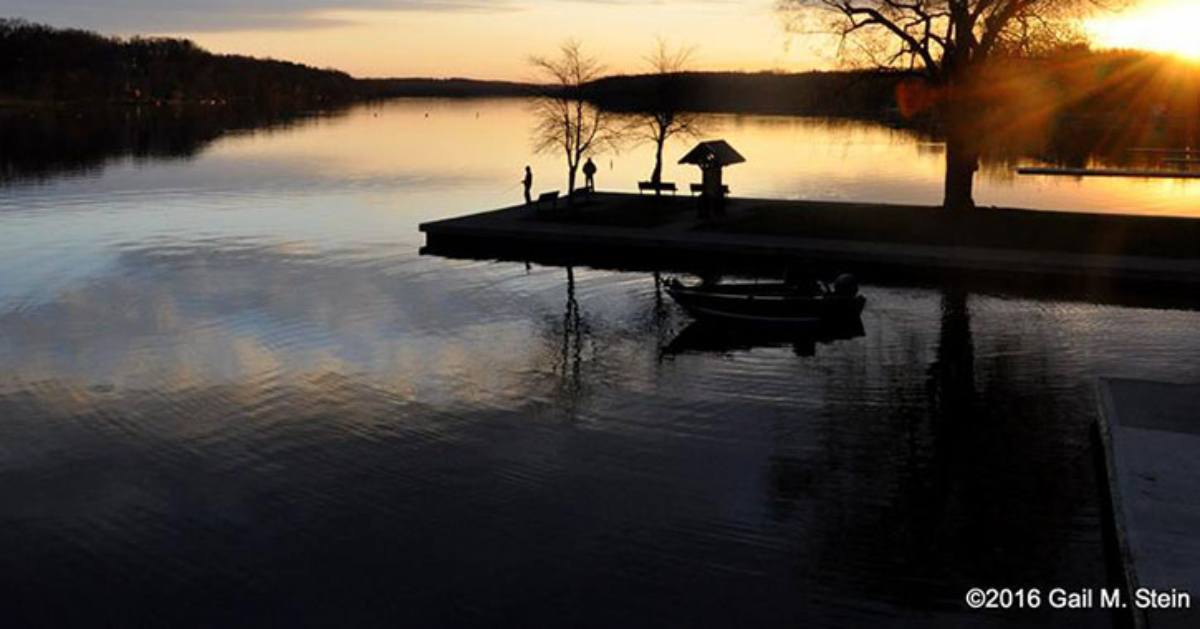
589 174
528 183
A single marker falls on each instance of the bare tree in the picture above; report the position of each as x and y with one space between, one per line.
565 120
947 41
664 118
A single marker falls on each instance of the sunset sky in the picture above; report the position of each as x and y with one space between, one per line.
493 38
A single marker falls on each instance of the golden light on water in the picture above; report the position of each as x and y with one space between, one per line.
1168 26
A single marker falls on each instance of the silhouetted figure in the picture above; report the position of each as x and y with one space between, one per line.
589 174
528 183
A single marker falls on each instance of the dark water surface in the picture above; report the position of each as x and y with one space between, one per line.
233 394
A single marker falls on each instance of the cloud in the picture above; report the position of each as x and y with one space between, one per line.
151 17
192 16
173 16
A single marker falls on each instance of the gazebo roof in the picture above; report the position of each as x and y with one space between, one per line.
713 153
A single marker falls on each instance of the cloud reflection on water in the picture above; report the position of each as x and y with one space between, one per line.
266 403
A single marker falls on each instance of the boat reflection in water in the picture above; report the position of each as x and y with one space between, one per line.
714 336
743 315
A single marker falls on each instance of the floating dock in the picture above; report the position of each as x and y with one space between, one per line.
1155 150
1150 433
1134 173
633 232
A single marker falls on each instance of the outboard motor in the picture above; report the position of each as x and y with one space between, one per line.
846 285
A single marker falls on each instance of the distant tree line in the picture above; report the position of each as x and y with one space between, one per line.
444 88
1065 106
848 93
1073 81
41 63
1021 94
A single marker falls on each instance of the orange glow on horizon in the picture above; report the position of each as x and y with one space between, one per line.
1167 26
496 44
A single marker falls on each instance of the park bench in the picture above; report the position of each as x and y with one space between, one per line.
665 186
550 197
698 188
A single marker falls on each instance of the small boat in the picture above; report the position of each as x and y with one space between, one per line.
786 303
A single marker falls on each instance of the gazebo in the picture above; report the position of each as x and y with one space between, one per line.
712 157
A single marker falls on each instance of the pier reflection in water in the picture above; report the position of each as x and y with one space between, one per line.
233 393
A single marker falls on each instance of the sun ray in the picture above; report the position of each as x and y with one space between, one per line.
1167 26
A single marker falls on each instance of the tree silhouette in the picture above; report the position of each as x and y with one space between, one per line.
948 42
664 117
46 64
566 121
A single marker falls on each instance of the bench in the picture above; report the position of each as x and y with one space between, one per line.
664 186
698 188
551 197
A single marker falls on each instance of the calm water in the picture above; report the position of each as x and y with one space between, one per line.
232 393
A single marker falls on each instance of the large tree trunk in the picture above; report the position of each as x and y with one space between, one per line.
656 176
962 144
961 165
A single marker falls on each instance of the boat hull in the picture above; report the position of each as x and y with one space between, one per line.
742 305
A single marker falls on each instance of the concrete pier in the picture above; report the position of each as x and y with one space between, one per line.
1150 433
876 241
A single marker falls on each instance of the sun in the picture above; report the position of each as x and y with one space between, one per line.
1167 26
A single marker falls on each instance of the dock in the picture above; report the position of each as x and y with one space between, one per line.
1150 433
1162 150
1133 173
636 232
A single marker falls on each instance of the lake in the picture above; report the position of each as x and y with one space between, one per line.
234 394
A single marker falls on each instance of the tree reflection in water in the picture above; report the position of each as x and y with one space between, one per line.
952 374
42 144
574 335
